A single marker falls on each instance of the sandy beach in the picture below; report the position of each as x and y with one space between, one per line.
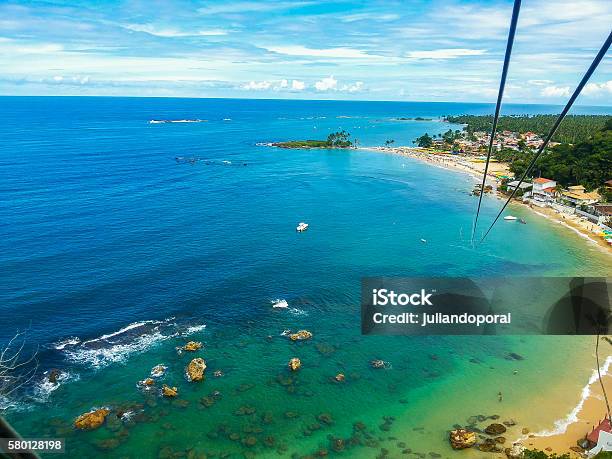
582 227
562 438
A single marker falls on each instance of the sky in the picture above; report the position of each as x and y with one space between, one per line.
409 50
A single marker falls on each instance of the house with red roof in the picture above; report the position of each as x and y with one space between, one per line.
543 191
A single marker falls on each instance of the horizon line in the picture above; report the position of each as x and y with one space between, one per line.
291 99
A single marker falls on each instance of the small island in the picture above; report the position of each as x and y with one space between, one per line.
339 139
418 118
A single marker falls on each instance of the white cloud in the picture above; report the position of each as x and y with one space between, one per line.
284 84
326 84
355 87
378 17
248 6
556 91
329 52
152 29
298 85
257 85
449 53
594 89
540 82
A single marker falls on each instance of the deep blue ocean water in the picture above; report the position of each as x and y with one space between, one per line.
101 230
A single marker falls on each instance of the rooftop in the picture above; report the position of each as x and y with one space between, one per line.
604 426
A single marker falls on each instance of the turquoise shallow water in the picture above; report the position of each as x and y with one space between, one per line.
112 254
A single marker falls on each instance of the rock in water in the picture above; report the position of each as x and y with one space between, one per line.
54 375
168 391
192 346
295 364
195 369
300 335
91 420
158 371
462 438
495 429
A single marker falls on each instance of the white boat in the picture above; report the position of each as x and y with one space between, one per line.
279 303
302 227
510 218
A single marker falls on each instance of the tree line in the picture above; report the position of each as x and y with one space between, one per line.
573 129
587 163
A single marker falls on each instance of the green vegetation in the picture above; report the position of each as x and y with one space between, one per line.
425 141
535 454
573 129
339 139
587 163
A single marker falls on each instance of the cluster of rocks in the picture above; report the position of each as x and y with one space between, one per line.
462 438
192 346
91 420
301 335
490 439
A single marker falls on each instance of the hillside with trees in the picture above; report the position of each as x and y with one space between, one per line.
573 129
588 163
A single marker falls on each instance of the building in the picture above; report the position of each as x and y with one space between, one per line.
524 186
578 196
604 426
604 209
543 191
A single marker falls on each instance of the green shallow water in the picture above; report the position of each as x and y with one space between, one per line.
433 383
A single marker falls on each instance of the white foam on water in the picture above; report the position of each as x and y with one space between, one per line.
297 312
194 329
44 388
129 327
561 425
71 341
279 303
118 346
116 353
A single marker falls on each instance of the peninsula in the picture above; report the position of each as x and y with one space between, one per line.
339 139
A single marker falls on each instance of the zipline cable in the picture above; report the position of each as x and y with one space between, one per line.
583 82
500 94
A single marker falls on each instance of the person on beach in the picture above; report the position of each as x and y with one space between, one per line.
499 396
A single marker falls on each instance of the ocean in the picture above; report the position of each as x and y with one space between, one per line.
113 253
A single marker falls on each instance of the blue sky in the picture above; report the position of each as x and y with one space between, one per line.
440 50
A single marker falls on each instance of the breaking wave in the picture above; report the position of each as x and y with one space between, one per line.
561 425
117 346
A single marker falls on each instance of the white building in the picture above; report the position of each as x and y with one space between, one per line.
543 191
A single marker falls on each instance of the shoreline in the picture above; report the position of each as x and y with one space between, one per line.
564 432
563 436
449 162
